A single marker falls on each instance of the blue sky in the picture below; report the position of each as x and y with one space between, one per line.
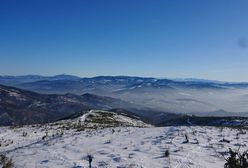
158 38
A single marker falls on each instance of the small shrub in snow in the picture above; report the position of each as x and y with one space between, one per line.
225 140
90 159
44 137
241 132
24 134
166 153
186 139
6 162
108 141
194 132
237 159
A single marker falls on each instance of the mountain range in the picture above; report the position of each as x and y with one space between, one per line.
191 96
19 107
38 99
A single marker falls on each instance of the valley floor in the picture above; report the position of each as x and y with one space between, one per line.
122 147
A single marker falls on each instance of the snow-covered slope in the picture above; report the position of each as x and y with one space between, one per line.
94 119
56 146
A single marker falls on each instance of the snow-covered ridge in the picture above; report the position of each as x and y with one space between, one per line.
103 119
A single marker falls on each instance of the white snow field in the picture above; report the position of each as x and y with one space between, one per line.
57 146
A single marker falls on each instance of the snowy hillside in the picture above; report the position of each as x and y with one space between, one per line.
64 146
95 119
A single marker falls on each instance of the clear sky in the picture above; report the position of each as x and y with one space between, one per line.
158 38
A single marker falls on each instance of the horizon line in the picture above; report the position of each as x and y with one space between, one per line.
95 76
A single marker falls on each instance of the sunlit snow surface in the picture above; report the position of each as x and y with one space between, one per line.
120 147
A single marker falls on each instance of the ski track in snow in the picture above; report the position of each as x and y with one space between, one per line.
123 148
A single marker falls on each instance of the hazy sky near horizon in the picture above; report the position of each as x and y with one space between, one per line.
158 38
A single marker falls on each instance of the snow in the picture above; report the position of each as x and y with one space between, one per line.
91 118
119 147
83 117
14 93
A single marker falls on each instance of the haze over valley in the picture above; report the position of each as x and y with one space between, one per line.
192 96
